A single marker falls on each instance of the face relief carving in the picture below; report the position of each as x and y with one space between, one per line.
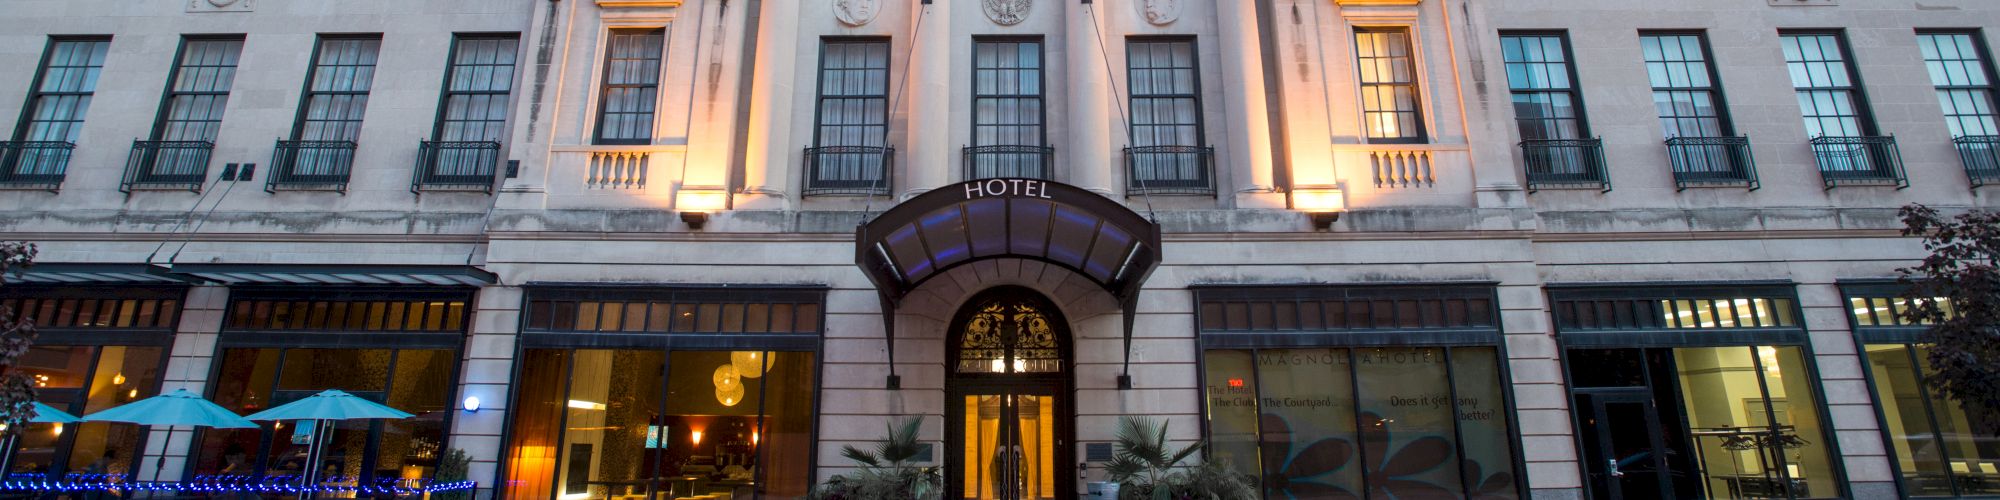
856 12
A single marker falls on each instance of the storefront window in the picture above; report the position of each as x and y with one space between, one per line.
1755 422
640 423
1937 448
82 380
1357 422
417 381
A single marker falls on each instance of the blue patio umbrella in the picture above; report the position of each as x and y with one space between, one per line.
172 409
332 404
44 414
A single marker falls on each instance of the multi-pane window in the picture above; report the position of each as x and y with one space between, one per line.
1684 88
195 99
480 79
1389 105
1007 109
337 90
631 86
62 95
1824 78
1168 150
1544 87
853 117
1961 71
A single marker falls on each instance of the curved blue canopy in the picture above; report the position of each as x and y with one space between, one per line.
332 404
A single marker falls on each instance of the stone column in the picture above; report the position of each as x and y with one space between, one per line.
1248 143
927 105
769 156
187 368
487 371
1089 142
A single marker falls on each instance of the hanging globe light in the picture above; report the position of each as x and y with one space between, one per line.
729 396
726 377
750 364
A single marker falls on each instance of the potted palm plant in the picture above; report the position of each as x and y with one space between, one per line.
890 472
1147 468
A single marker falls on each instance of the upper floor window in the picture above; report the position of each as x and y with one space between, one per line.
199 89
1390 109
1008 139
337 89
1169 153
478 82
850 152
1684 88
62 92
1539 74
631 87
1961 70
1824 78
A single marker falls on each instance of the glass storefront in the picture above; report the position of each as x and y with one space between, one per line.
1359 421
1936 449
709 394
98 348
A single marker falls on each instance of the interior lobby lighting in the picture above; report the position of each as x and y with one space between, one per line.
585 405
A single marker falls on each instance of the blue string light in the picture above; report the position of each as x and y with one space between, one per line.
284 484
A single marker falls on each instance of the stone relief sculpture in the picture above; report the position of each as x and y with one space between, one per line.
856 12
1006 12
1160 12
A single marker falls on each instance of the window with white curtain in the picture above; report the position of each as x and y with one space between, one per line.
1827 90
1391 110
343 72
631 86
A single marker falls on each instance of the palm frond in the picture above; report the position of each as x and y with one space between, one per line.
859 456
1138 437
1185 453
901 445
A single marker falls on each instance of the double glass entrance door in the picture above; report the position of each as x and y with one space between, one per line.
1007 444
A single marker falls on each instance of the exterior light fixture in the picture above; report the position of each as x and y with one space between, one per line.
471 404
694 219
1324 220
696 203
1322 203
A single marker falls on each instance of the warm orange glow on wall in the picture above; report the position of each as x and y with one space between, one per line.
701 199
697 437
1318 199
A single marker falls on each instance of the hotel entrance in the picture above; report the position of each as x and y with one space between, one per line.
1009 410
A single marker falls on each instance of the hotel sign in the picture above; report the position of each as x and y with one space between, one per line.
1008 188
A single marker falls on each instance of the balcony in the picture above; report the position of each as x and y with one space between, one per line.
1170 170
1981 154
1712 161
1031 162
1565 164
848 170
166 165
34 164
456 166
1860 160
311 166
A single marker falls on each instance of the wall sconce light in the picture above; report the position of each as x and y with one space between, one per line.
471 404
1324 220
694 219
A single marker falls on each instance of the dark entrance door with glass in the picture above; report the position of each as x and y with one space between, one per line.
1008 411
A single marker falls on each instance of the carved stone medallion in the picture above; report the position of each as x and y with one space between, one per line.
856 12
218 5
1160 12
1006 12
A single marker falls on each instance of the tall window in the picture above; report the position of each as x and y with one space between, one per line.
195 99
1546 105
481 77
1168 150
337 89
55 110
848 154
1824 79
1961 70
1684 89
1007 110
1389 105
631 87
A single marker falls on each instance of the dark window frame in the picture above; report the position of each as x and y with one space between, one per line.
316 337
1725 123
820 96
1909 336
313 69
1983 55
1857 89
1574 90
1194 98
850 163
35 92
605 85
163 120
1041 95
451 65
1415 84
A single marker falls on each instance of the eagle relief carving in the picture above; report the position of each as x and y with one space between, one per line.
1006 12
856 12
218 5
1160 12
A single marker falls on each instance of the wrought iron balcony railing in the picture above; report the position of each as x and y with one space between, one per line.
34 164
1859 160
1981 155
1032 162
848 170
310 165
1565 164
1170 170
1712 161
166 165
456 166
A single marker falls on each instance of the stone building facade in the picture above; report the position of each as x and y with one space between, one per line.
674 248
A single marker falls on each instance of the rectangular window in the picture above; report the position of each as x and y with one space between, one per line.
850 140
1546 104
199 90
53 117
1169 152
1827 90
1007 111
337 88
1961 70
1684 87
479 80
631 86
1389 96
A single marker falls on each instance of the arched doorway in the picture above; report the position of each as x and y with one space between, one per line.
1008 407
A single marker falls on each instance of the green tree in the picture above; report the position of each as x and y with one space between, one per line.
1956 290
17 334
